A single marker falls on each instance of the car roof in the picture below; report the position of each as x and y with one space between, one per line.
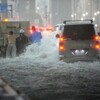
60 24
79 24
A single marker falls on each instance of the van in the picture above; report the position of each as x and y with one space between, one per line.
79 41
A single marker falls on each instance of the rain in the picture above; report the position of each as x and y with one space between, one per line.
39 73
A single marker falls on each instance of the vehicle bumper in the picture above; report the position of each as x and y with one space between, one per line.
76 59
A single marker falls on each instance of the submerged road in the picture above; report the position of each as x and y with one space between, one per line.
41 76
55 81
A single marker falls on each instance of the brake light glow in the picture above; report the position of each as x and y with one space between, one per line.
30 30
61 44
97 43
61 39
96 38
97 46
49 28
61 48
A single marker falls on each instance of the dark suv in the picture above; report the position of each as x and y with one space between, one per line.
79 42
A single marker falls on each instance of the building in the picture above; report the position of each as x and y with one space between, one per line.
22 10
26 11
60 10
3 15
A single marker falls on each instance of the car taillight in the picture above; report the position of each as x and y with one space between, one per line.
96 38
42 28
61 39
97 46
61 44
61 48
49 28
97 43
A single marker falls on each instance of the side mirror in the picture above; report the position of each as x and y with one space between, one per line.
57 35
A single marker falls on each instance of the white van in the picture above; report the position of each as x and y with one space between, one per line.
79 42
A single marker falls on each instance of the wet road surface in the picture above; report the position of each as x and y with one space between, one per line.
55 81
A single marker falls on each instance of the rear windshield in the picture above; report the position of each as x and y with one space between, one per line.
81 32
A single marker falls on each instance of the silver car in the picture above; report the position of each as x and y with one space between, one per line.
79 42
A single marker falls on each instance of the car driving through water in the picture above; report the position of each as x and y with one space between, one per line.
79 41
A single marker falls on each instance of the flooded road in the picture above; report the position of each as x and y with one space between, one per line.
40 75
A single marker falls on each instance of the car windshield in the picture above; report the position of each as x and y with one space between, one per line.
81 32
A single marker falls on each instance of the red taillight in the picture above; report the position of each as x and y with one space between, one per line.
61 43
42 29
97 46
61 48
96 37
61 39
50 28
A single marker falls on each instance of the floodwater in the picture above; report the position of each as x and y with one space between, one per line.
41 76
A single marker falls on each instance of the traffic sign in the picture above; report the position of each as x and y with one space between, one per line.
3 7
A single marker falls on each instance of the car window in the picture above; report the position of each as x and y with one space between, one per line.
61 27
56 28
82 32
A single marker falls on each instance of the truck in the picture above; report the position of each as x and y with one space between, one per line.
14 26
